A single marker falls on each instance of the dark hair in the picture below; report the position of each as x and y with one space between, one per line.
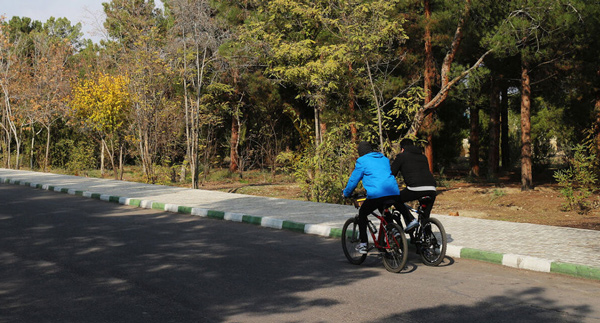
364 148
406 142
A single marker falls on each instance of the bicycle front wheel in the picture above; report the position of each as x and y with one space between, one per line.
350 240
394 258
433 242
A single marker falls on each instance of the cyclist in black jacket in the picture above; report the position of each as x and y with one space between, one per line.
413 166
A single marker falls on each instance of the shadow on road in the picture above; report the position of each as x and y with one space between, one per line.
83 260
519 306
80 260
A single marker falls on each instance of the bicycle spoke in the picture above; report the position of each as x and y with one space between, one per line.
350 240
433 242
394 257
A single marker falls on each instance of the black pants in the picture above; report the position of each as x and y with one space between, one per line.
370 205
407 195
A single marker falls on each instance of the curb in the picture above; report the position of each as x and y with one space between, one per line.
509 260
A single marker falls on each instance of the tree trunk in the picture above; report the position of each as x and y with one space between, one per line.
597 125
111 156
7 149
235 139
429 77
376 99
504 147
317 126
121 166
47 157
474 140
31 154
18 156
234 158
494 147
526 149
102 157
322 129
351 108
447 84
353 129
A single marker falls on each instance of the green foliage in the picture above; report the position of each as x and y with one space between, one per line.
578 182
82 158
127 20
496 194
323 173
311 44
62 152
536 29
547 125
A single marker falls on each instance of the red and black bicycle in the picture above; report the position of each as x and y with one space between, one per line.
389 241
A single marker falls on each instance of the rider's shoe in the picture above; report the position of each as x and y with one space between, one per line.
362 248
413 224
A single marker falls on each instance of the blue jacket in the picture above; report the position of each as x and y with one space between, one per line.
374 171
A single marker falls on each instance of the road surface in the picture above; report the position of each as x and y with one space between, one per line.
65 258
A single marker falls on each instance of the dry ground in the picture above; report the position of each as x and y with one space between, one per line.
505 202
502 200
540 206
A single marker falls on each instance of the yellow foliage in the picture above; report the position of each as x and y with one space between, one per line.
102 102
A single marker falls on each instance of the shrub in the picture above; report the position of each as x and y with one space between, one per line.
82 158
322 173
577 183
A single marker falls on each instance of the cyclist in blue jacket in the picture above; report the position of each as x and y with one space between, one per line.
373 168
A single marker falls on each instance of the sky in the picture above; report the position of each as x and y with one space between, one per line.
87 12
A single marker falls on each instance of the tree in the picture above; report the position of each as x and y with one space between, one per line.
294 44
494 135
50 83
446 82
541 33
318 46
150 86
101 105
127 20
197 37
14 74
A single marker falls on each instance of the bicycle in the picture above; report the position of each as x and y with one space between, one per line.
389 240
429 237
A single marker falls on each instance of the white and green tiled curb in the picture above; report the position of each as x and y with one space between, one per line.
510 260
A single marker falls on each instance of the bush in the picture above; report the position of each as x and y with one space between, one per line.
62 153
82 158
578 182
322 173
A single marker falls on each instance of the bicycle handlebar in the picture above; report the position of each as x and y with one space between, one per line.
357 199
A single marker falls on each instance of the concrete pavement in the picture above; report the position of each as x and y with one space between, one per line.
526 246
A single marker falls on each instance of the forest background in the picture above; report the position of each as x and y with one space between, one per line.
504 97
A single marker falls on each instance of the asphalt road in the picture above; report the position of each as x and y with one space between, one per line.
65 258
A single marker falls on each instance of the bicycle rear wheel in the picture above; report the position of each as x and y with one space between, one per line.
433 242
394 258
350 240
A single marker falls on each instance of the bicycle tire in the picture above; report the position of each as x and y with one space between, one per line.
433 242
394 258
350 240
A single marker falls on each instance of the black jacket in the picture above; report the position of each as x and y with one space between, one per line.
413 166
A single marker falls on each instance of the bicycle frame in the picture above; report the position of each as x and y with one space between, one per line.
390 242
382 229
382 225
